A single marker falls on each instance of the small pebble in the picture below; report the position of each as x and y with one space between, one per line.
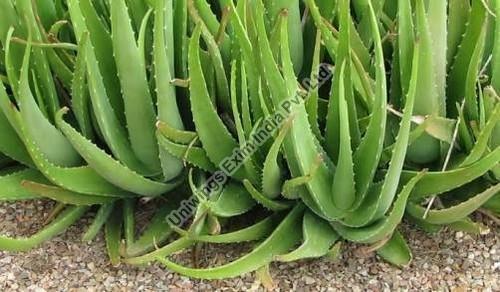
446 259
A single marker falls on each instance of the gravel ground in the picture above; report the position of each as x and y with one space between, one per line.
447 261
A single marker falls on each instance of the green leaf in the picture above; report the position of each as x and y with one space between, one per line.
113 233
216 139
139 111
100 219
110 169
274 205
11 185
382 228
280 241
438 182
168 111
63 221
457 212
319 237
64 196
254 232
396 251
234 200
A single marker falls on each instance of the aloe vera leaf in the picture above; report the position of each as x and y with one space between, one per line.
364 170
481 144
254 232
176 135
216 139
271 171
434 183
251 64
223 96
168 111
110 169
345 44
10 143
361 79
64 196
100 219
467 225
61 70
41 65
365 213
457 212
313 95
209 74
11 185
139 111
248 165
112 236
38 94
361 52
300 145
343 186
366 157
280 241
396 251
63 221
246 115
47 12
234 200
384 227
77 179
311 33
196 156
138 9
425 149
364 23
180 24
10 21
495 72
458 72
275 34
213 25
128 221
318 236
470 99
437 19
112 130
490 99
406 41
80 101
458 10
50 141
333 124
171 248
85 18
156 233
377 205
464 132
294 27
274 205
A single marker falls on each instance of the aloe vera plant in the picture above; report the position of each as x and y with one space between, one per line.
202 107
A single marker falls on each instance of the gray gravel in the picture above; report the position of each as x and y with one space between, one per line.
447 261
